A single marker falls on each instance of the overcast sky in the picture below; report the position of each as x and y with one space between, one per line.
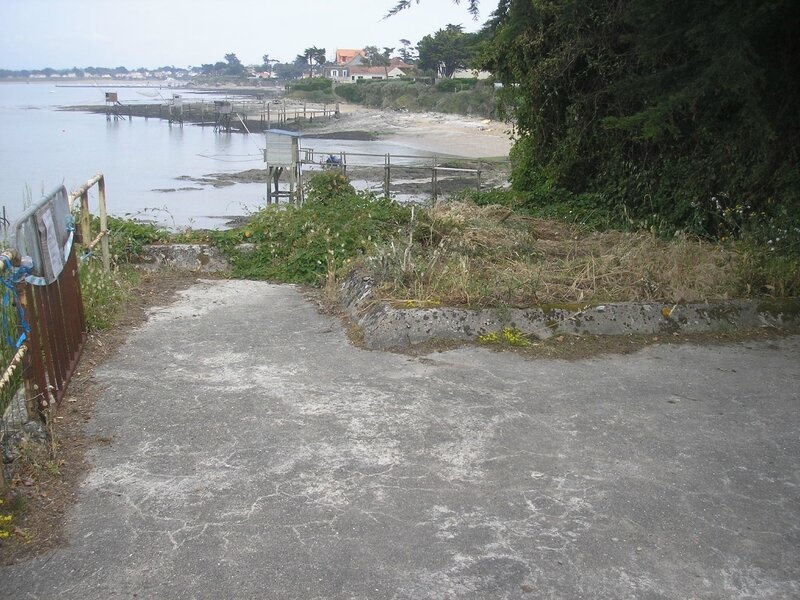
150 33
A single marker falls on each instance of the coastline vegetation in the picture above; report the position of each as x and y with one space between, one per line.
493 249
451 96
475 249
467 96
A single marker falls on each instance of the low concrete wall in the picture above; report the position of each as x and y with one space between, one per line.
201 258
386 327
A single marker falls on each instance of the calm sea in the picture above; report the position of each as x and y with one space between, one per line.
42 147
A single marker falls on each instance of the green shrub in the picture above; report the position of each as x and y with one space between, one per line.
104 294
126 237
306 244
418 96
314 84
351 92
456 85
319 96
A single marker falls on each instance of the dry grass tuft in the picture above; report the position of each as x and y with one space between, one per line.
464 254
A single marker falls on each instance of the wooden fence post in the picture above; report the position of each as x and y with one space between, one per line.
387 177
105 251
86 224
433 177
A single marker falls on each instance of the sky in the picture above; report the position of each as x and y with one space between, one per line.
35 34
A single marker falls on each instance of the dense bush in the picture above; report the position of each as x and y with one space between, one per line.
311 85
352 92
457 98
456 85
126 237
308 243
680 114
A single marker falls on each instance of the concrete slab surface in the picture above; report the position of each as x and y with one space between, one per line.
257 454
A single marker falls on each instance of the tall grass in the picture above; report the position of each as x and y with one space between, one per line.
464 254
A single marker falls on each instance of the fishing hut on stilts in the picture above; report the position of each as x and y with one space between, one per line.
222 111
112 107
282 155
176 109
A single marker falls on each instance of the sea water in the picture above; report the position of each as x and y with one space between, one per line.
43 147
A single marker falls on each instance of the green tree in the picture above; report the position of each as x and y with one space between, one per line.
447 50
472 6
289 70
679 112
373 57
312 56
406 51
233 66
683 113
268 63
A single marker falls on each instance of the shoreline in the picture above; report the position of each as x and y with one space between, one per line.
438 133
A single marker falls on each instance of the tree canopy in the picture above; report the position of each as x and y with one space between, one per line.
374 57
472 6
682 113
406 51
234 65
447 50
312 56
678 110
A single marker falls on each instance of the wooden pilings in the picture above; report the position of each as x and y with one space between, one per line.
390 164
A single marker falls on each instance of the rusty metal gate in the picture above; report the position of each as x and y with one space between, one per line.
50 297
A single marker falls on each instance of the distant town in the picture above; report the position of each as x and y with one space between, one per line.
445 54
177 75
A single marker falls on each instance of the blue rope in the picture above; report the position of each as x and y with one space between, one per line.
9 278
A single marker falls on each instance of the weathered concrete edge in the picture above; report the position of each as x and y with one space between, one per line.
386 327
199 258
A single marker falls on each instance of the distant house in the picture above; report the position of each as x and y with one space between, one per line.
357 73
354 68
348 55
338 73
471 74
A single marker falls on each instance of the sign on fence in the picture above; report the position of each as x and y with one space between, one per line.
44 232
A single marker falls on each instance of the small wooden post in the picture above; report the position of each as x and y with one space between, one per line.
86 224
343 159
387 176
106 253
292 174
300 193
276 178
479 175
433 177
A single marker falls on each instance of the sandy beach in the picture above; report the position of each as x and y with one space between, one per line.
458 135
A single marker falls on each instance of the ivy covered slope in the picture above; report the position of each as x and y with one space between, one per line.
678 115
